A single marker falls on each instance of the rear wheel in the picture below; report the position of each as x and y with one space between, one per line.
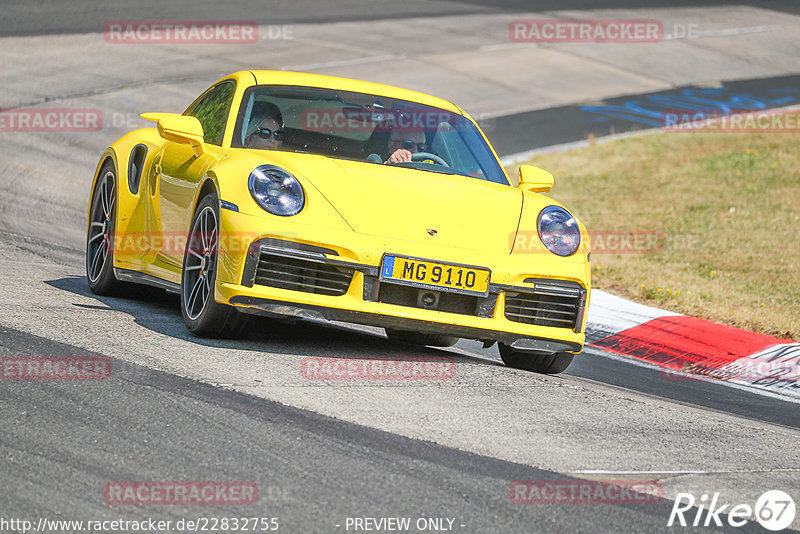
202 315
416 338
100 235
552 363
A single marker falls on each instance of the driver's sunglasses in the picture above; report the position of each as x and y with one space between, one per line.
266 133
410 145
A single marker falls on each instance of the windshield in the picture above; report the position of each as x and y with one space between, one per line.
364 127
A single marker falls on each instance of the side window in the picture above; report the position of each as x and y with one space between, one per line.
211 110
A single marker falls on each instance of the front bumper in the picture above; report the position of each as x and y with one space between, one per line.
363 298
278 309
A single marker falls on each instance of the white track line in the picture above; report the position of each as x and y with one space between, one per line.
604 472
678 472
728 31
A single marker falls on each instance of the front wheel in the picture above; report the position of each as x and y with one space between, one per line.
202 315
100 235
548 364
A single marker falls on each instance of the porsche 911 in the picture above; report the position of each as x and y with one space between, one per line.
295 195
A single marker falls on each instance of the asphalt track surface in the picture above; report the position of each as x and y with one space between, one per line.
23 17
136 425
62 441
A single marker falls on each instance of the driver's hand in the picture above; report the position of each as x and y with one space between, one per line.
401 155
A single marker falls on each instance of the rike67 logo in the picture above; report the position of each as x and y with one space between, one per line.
774 510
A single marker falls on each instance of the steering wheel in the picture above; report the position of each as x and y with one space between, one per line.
422 156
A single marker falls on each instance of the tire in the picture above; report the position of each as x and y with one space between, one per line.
548 364
415 338
202 315
100 234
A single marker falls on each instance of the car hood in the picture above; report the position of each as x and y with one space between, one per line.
409 204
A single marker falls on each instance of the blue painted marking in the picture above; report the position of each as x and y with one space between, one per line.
388 266
650 109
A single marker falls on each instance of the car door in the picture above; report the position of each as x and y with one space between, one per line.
181 172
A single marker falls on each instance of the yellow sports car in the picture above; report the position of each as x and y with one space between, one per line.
299 195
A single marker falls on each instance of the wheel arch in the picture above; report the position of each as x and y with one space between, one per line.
109 155
208 186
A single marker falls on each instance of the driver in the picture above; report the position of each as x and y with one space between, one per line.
266 125
403 144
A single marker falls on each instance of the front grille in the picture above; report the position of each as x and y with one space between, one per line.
299 274
408 296
543 308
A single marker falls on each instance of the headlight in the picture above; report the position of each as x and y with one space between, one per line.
559 231
276 190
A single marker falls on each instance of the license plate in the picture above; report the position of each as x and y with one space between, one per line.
435 275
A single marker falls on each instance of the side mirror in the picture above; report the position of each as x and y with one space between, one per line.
534 179
182 129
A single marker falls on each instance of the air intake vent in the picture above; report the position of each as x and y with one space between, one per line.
298 274
544 308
